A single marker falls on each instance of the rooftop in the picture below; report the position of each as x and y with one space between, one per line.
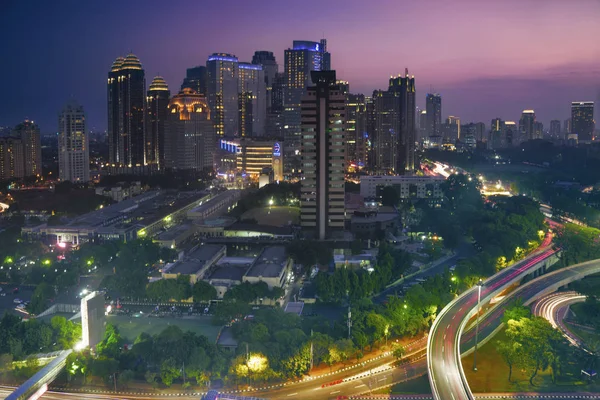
196 260
174 232
232 272
269 262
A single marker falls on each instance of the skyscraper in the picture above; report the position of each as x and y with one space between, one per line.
195 78
404 88
29 133
323 156
453 127
157 101
386 109
422 125
582 120
73 144
527 125
223 93
270 68
555 128
190 139
300 60
126 108
274 124
433 107
252 100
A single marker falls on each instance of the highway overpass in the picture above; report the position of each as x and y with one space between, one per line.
443 350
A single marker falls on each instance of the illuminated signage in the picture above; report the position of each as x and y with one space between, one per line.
276 150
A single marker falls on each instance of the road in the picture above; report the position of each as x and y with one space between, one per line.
554 308
445 368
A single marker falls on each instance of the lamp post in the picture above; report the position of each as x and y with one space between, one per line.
479 284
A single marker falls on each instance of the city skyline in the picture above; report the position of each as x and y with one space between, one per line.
481 73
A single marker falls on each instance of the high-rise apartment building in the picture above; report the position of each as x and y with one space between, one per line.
12 160
356 129
582 120
223 93
555 129
73 145
157 101
433 107
567 126
474 129
527 125
323 156
195 78
303 58
252 100
29 133
538 129
126 109
190 138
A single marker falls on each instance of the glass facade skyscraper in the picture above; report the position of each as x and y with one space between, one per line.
73 145
222 90
156 114
126 108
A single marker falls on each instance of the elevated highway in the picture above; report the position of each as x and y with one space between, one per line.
447 377
443 348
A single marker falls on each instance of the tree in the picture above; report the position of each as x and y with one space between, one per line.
399 352
110 346
66 333
510 353
516 312
203 292
169 371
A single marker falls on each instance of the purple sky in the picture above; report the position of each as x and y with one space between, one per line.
487 58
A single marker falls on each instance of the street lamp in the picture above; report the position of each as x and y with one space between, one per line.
479 285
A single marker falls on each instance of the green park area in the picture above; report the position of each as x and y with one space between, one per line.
131 327
273 215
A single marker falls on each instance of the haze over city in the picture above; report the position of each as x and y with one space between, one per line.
487 59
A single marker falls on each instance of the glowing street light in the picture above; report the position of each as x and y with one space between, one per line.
79 346
271 201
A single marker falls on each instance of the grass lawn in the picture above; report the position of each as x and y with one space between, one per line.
274 216
130 328
492 375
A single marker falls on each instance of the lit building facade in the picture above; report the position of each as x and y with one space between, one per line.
323 156
252 100
582 120
222 90
126 109
29 133
433 104
157 101
73 145
255 155
190 139
300 60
